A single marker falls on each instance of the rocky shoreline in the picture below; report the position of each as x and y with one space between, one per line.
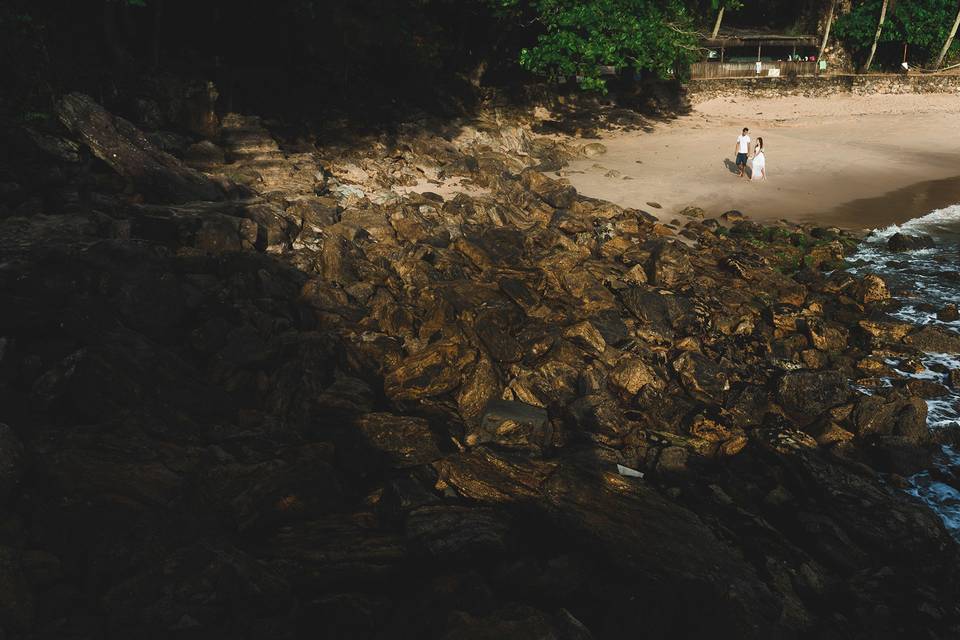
284 394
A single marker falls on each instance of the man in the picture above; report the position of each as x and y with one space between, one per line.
743 148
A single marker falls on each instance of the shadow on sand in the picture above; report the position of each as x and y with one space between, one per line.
732 167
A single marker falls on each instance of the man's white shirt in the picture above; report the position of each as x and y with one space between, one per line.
744 144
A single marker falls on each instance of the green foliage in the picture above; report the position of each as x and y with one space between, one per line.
578 38
922 24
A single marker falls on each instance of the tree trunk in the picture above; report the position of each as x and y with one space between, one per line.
716 26
826 30
946 45
876 38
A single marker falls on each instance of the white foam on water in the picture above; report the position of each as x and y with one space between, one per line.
934 223
934 282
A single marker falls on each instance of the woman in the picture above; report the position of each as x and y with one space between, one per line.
759 162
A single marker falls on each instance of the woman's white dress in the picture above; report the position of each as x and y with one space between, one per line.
759 164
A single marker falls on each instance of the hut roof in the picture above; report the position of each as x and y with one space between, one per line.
748 37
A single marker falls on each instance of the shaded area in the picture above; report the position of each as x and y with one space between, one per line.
319 409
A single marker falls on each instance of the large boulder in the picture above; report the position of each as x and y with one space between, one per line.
158 175
934 340
906 242
807 394
669 265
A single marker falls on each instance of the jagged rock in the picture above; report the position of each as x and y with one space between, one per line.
513 424
701 377
586 336
557 194
159 176
875 415
203 155
886 331
669 265
872 289
949 313
451 532
809 394
630 376
693 212
403 441
905 242
934 340
434 371
826 336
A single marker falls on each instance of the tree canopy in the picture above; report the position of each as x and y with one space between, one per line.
577 39
921 24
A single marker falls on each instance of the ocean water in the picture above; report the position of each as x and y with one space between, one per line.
925 281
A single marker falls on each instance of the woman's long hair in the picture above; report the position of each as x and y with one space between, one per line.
760 142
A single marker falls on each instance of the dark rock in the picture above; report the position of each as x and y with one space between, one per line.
514 425
669 265
404 441
903 242
875 415
807 395
949 313
203 155
934 339
159 176
451 532
701 377
519 621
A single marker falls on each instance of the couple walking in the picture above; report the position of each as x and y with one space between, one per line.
743 152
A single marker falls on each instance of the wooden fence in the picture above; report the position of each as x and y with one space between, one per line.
702 70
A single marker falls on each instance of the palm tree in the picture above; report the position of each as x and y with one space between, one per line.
720 6
716 25
826 30
946 45
876 38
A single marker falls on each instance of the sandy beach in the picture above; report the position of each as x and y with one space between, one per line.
848 161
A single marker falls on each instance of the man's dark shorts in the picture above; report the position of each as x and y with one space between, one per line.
741 159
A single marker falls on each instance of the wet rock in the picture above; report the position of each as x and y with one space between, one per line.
934 340
826 336
872 289
926 389
900 242
949 313
885 331
693 212
875 415
809 394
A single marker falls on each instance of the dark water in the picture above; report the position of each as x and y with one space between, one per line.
928 279
894 206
